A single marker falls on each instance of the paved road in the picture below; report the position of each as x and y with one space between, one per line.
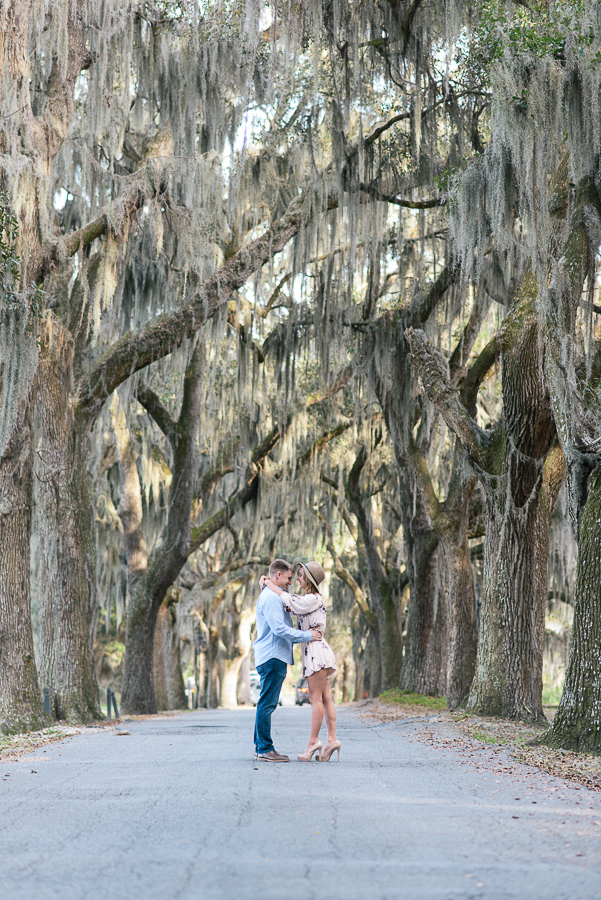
179 809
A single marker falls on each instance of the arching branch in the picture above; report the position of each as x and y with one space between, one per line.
147 398
434 379
134 352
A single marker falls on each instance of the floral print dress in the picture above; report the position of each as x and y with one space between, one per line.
310 611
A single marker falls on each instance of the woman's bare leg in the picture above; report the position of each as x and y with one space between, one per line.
330 712
317 682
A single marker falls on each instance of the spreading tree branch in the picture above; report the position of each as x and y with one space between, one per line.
445 399
134 352
122 209
147 398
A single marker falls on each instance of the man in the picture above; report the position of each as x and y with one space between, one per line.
273 654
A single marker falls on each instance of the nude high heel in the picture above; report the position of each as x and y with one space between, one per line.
308 755
325 757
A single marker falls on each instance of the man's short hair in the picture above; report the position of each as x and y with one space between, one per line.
279 565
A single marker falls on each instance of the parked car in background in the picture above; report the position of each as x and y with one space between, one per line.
255 688
302 692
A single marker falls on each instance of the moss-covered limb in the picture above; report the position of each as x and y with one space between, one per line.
445 399
410 15
424 302
121 210
338 383
361 511
185 452
421 307
470 385
425 484
577 725
247 492
490 354
225 464
157 411
134 352
374 191
322 440
461 353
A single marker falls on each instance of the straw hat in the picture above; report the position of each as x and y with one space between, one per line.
313 572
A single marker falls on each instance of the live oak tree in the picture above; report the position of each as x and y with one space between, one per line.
133 139
289 176
537 194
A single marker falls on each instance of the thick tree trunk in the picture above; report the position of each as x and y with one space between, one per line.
389 635
21 706
213 669
521 471
450 521
425 661
146 595
366 654
462 624
149 580
577 725
508 678
231 665
67 549
169 688
382 587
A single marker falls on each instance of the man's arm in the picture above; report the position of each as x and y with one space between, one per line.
273 610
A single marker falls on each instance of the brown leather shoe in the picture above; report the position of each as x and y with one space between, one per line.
272 756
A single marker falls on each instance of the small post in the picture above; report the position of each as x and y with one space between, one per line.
108 702
115 707
47 700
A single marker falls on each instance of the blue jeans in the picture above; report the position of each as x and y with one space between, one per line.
272 673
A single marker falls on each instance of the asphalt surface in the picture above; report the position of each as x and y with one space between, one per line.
179 809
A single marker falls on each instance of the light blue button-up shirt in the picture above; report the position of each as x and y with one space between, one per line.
275 634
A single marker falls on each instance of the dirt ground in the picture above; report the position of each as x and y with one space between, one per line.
460 731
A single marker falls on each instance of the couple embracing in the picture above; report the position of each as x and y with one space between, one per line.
274 653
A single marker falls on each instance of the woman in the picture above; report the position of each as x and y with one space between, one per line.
318 658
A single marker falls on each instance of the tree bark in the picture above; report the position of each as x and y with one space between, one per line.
508 677
39 139
169 688
425 661
21 706
67 546
383 587
463 626
241 643
521 470
149 580
577 725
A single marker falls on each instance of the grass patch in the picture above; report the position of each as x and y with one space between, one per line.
489 738
408 698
